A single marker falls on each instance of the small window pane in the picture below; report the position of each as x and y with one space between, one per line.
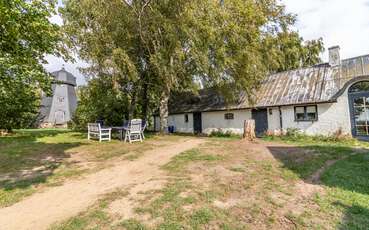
300 116
229 116
306 113
360 87
311 109
359 101
361 130
300 110
311 116
361 123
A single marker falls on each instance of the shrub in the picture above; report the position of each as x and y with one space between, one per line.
220 133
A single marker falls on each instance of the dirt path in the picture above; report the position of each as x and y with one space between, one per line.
43 209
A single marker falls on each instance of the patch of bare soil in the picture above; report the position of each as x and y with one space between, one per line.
246 189
58 203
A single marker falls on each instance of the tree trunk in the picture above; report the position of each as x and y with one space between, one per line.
249 130
164 111
145 101
132 106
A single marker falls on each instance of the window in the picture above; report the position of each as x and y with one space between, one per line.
361 115
270 112
362 86
229 116
306 113
186 118
60 99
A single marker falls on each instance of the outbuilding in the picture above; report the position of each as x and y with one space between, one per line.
319 100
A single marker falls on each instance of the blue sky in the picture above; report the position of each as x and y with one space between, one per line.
338 22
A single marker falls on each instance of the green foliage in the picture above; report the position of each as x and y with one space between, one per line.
227 134
99 100
151 48
26 35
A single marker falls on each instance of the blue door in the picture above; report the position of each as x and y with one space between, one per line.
261 121
197 123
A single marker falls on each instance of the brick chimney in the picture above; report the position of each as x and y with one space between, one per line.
334 56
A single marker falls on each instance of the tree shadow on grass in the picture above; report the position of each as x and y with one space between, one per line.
26 161
343 168
355 217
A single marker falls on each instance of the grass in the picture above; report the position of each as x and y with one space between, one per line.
95 217
33 159
345 203
220 185
182 160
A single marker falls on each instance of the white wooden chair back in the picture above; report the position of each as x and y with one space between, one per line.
135 126
95 131
94 127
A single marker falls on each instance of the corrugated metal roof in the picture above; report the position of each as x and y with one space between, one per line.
316 84
310 85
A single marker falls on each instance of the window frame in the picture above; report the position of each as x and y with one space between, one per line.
306 119
229 116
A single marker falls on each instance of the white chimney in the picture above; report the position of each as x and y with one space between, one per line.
334 56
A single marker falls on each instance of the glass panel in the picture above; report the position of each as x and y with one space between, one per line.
300 116
361 114
359 101
361 130
311 109
300 110
360 122
362 86
311 116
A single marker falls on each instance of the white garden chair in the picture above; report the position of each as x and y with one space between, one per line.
134 131
95 131
143 127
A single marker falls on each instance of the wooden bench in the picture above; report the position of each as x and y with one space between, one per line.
95 131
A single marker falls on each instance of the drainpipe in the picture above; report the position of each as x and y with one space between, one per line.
280 118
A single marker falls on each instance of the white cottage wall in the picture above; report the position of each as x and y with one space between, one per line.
331 117
180 126
274 123
215 121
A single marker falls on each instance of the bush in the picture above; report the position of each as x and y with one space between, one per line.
222 134
99 101
294 134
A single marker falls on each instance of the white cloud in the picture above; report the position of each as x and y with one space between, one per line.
338 22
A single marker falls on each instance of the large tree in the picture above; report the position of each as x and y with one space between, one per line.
154 47
26 35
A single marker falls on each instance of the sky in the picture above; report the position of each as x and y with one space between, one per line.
338 22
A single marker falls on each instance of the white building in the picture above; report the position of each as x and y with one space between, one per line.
57 110
321 99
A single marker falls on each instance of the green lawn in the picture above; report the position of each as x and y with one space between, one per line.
31 160
224 184
346 200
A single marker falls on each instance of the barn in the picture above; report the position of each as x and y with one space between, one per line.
318 100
